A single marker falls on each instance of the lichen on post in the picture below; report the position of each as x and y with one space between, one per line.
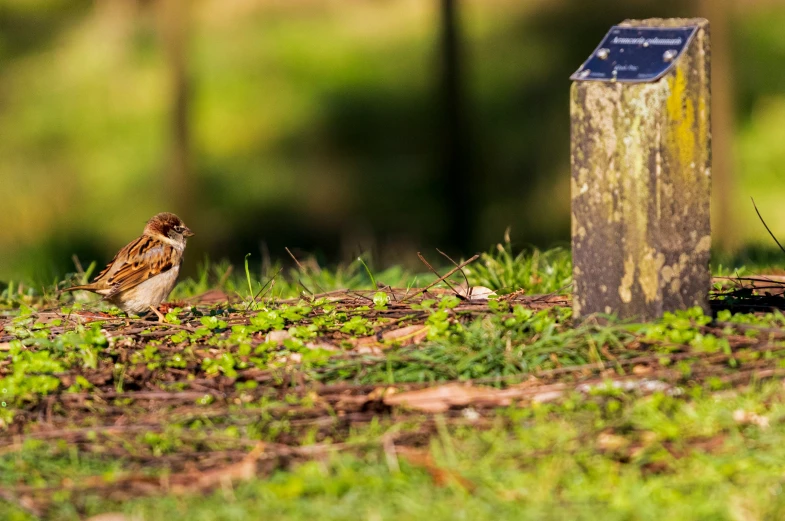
641 180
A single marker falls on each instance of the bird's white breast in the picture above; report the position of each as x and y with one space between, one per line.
151 292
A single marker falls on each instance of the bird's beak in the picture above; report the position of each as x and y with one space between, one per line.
187 232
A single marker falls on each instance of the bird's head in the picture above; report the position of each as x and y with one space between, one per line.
168 225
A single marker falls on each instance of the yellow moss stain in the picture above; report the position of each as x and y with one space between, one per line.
704 244
633 155
681 120
673 275
649 270
625 288
578 230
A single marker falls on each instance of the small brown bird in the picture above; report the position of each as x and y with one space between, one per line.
144 272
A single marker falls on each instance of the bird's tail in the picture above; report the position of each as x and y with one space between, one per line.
86 287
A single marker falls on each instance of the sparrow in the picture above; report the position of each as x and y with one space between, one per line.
144 272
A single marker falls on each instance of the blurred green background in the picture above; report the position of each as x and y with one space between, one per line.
337 126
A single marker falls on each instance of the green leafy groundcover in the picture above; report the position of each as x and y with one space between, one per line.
269 398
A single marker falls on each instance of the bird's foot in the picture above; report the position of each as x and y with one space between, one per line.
161 318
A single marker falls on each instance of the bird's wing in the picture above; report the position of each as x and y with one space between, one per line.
140 260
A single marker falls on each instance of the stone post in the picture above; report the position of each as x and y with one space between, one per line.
641 171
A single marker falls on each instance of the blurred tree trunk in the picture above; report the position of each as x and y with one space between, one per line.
724 229
456 157
173 22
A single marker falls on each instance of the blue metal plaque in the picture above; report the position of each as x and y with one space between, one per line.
635 54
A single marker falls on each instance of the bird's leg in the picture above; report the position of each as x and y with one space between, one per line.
161 318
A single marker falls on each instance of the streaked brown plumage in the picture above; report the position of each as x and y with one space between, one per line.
144 272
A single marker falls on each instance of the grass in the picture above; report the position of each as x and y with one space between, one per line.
302 392
602 457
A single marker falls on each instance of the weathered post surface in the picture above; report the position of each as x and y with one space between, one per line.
641 170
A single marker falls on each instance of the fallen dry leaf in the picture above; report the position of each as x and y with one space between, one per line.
289 358
365 342
547 396
406 335
365 350
277 336
441 398
400 337
379 393
473 293
743 417
480 293
611 442
321 345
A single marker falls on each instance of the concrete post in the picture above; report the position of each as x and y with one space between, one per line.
641 171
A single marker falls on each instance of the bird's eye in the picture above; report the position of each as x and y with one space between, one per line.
178 228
